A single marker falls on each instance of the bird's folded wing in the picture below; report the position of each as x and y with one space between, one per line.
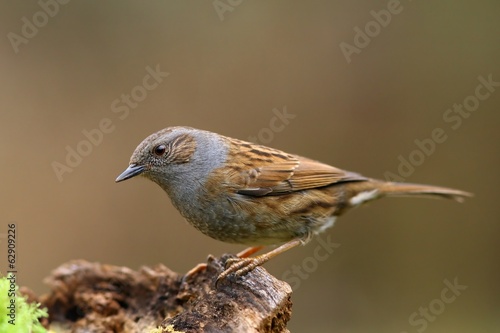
290 174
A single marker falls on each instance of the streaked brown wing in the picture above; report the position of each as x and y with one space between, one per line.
260 171
311 174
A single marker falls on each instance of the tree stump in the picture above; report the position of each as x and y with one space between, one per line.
92 297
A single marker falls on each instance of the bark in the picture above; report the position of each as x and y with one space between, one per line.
92 297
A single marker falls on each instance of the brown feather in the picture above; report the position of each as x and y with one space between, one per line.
267 171
312 174
403 189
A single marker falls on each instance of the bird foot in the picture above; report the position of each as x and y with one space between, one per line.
197 269
241 266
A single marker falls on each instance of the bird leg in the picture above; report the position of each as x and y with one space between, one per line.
249 251
242 265
196 269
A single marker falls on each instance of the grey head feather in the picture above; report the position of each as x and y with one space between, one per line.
182 181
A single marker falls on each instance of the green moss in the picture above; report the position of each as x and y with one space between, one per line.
16 314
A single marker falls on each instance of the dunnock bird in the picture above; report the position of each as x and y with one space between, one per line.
241 192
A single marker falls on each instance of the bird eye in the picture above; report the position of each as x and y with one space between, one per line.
160 150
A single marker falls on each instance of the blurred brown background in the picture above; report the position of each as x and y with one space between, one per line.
227 72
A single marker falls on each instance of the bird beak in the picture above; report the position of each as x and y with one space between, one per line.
132 171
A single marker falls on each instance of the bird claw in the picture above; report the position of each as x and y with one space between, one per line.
240 266
197 269
193 271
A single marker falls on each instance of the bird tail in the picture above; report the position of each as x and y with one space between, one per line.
360 192
407 189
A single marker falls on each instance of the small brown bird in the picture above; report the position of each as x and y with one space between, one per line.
241 192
